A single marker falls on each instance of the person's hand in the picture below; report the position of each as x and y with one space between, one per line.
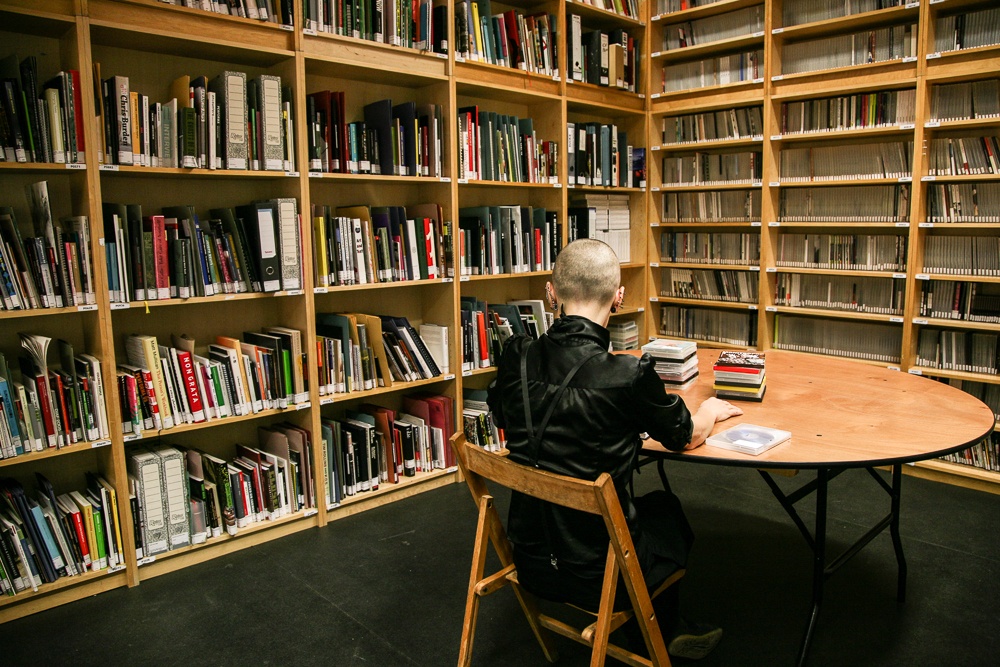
721 410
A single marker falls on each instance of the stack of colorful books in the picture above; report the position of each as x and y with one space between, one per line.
740 376
675 361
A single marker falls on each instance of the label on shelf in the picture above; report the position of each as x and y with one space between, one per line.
892 368
557 185
108 167
447 280
302 406
896 320
777 77
754 268
654 96
76 165
774 184
459 59
286 27
915 371
752 306
86 307
777 31
656 189
640 310
654 299
292 174
926 179
775 137
932 123
320 290
656 18
312 511
909 59
229 297
654 265
923 276
757 224
120 306
326 400
309 31
99 443
116 568
463 180
925 225
642 96
148 560
442 56
758 80
129 437
919 321
913 5
463 279
902 224
556 77
907 126
315 174
771 309
654 224
898 275
290 292
770 224
655 148
759 33
905 179
466 374
771 269
446 179
449 376
931 56
657 54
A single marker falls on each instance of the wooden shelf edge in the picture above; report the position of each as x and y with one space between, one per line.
67 589
956 474
390 493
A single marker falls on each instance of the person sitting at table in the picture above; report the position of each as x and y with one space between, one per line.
570 407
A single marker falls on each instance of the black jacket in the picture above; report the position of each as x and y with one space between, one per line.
593 429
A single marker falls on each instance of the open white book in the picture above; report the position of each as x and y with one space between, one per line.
748 438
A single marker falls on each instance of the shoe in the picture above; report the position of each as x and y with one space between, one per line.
694 641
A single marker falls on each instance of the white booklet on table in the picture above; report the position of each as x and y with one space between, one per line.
748 438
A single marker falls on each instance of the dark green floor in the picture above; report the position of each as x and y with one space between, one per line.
387 588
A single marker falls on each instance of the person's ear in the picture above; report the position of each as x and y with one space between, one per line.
619 299
551 296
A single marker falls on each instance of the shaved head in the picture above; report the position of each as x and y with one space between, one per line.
587 271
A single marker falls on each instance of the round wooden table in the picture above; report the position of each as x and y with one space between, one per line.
841 414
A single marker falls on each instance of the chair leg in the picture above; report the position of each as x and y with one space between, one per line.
478 568
602 627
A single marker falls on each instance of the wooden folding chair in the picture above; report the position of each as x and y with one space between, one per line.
599 497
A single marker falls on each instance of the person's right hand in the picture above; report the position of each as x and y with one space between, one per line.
720 409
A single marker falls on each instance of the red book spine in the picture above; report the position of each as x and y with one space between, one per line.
161 260
484 347
81 538
429 248
191 385
538 250
154 404
42 387
60 395
81 144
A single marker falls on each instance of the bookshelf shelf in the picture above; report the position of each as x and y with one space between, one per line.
890 131
869 362
475 71
839 314
50 452
600 96
721 144
199 300
223 421
706 187
959 225
388 493
606 190
722 46
890 71
48 18
833 182
703 11
469 182
480 371
751 88
604 16
963 55
957 473
40 167
973 178
969 278
956 324
44 312
336 289
703 302
503 276
973 124
842 24
833 224
382 391
117 171
707 225
838 272
91 583
377 178
507 90
956 375
664 264
371 62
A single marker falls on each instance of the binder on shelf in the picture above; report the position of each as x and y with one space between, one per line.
230 89
262 222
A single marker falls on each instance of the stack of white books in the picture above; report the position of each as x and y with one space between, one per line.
676 361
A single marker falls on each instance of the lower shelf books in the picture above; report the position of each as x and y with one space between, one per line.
485 327
161 387
478 424
507 239
375 445
181 497
359 352
46 536
604 217
45 406
177 254
748 438
52 266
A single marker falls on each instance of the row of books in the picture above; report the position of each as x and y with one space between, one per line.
964 156
375 445
393 140
507 239
271 11
849 112
499 147
359 352
478 423
184 497
717 326
710 248
46 406
715 71
879 45
671 6
709 284
967 31
985 455
713 169
987 392
733 123
856 294
873 341
712 206
810 11
885 159
175 254
847 203
965 100
609 59
50 266
40 122
844 252
231 121
45 536
963 202
605 217
719 27
600 155
508 39
358 245
486 326
412 24
162 386
629 8
962 255
968 351
960 300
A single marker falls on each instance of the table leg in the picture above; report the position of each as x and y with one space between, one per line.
897 543
819 559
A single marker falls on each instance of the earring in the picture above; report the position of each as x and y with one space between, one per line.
553 304
619 299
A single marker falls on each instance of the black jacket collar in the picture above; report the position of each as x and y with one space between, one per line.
577 330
